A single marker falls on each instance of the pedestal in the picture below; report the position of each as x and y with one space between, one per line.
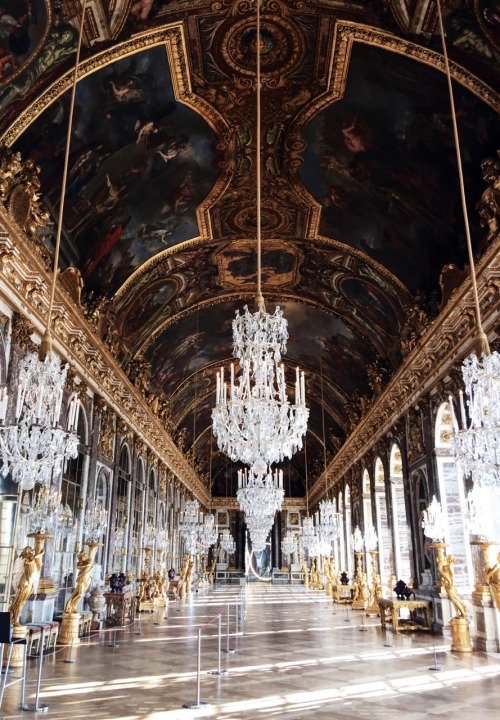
69 629
486 622
16 658
460 635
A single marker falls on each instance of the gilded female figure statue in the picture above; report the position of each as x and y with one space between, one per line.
85 565
493 579
32 565
448 581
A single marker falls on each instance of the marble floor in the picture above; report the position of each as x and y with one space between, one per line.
296 656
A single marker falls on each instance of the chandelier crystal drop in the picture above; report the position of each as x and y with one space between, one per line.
476 444
34 447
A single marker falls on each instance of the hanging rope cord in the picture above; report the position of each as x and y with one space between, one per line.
259 297
482 345
46 342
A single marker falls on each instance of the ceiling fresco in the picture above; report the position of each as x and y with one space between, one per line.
360 199
140 165
378 159
23 29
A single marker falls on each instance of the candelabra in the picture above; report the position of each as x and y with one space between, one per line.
433 523
360 596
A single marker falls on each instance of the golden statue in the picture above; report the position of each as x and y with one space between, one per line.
305 570
85 566
493 579
32 566
445 566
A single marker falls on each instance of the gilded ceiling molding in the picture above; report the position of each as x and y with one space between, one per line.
22 269
448 339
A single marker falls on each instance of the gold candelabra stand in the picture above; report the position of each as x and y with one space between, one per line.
146 602
376 587
491 571
71 617
460 631
360 599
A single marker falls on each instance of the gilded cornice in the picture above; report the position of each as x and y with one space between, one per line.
231 503
446 342
21 271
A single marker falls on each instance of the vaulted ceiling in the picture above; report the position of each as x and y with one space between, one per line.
361 204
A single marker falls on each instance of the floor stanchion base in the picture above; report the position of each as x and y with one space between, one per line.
195 705
217 672
229 652
35 708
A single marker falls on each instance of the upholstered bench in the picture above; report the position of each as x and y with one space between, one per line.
34 636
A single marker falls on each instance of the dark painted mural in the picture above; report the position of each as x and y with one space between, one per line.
23 27
378 160
140 165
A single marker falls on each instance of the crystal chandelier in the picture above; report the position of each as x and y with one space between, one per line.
433 522
95 523
253 420
260 494
476 445
329 524
34 447
189 525
289 543
259 529
226 542
208 531
44 512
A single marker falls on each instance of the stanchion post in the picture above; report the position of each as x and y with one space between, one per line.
227 650
388 642
113 643
236 611
219 671
198 703
70 659
37 707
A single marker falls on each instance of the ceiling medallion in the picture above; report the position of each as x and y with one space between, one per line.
281 47
245 220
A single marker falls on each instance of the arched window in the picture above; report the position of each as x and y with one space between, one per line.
386 560
123 493
452 494
137 518
401 529
151 499
102 499
348 530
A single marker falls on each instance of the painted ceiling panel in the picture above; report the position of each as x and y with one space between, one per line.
140 165
382 164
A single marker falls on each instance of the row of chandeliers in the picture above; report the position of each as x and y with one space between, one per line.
254 422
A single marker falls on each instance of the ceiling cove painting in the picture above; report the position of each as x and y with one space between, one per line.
24 25
140 165
378 159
